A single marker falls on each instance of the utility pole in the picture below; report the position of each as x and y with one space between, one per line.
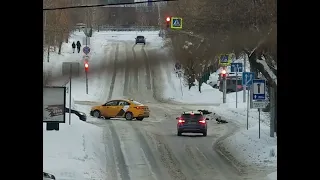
224 83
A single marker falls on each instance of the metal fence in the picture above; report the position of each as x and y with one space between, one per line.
127 28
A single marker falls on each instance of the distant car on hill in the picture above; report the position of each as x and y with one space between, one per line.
140 39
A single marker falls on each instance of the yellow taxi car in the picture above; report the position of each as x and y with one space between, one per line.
123 108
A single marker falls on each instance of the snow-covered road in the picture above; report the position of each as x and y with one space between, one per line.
150 149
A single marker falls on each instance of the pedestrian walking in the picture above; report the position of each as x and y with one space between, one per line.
73 46
78 46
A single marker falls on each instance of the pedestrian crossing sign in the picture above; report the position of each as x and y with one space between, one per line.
176 23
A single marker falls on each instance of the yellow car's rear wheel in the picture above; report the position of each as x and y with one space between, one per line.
128 116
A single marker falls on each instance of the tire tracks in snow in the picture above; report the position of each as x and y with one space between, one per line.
121 163
146 62
148 152
114 73
135 68
139 157
126 71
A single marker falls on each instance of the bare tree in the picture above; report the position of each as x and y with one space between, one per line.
242 26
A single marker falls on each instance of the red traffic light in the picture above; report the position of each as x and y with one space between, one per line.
223 73
168 19
86 66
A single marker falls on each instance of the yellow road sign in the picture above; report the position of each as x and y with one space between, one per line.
225 59
176 23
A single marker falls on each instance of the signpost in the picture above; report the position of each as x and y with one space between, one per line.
259 104
259 91
236 67
176 23
259 96
86 50
247 80
225 60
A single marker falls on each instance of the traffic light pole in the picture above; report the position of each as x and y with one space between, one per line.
87 82
244 89
248 107
224 90
237 68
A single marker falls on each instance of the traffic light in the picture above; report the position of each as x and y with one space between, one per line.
223 73
86 66
168 21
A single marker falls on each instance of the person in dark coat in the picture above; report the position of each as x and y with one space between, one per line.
78 46
73 47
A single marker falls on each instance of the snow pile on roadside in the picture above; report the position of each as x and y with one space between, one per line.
76 151
213 78
246 147
272 176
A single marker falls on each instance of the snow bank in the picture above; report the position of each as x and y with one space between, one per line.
76 151
246 147
272 176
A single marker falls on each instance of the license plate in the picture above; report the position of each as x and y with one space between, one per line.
192 123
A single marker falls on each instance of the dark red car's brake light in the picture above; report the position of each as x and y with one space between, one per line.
202 121
181 121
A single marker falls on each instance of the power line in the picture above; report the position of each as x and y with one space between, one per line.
102 5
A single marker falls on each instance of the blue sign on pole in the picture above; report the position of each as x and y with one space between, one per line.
235 66
149 3
259 90
247 78
86 50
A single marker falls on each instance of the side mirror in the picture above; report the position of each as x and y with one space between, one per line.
177 118
207 118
